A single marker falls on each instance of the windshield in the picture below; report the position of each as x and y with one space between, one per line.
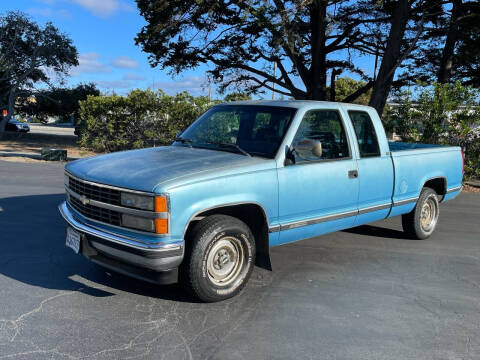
251 129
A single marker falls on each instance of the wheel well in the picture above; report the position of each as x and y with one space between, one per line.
254 216
437 184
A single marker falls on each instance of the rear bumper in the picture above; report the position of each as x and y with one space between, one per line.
151 262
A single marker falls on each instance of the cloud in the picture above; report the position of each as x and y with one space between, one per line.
124 62
132 76
192 84
103 8
114 84
49 12
89 63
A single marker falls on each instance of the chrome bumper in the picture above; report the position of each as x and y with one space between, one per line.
97 243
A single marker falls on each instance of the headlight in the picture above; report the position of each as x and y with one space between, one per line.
137 201
139 223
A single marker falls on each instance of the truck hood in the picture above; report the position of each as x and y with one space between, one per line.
146 169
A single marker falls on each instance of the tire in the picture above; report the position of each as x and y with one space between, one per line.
422 220
219 259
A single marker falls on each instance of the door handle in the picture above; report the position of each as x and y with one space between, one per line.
353 174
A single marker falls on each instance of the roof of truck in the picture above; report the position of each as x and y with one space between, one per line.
291 103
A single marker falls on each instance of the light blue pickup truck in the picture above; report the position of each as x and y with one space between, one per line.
244 177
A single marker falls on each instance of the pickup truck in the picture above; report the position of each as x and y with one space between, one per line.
244 177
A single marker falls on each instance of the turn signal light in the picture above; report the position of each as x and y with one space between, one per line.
161 226
160 204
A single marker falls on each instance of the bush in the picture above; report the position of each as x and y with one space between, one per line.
446 114
142 118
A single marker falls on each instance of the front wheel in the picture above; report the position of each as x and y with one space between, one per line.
422 220
220 258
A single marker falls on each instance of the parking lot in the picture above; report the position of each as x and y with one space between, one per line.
365 293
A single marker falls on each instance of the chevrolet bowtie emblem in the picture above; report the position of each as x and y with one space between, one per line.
84 200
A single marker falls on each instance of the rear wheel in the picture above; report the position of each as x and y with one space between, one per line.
220 258
422 220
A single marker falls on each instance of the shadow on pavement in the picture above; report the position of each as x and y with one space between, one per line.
372 230
33 251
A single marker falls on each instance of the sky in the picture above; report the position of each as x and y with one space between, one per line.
103 32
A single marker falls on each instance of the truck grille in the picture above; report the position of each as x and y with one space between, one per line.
96 213
99 193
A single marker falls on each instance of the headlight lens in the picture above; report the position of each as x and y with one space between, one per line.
139 223
137 201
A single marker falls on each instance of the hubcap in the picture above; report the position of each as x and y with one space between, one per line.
428 215
225 261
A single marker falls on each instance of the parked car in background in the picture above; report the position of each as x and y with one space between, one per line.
246 176
17 126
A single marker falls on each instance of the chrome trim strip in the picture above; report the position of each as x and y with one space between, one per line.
110 186
374 208
457 188
155 247
296 224
274 228
124 210
405 201
300 223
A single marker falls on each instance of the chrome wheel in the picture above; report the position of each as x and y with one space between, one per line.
225 261
429 214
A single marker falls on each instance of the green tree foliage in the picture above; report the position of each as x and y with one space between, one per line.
61 102
345 86
142 118
446 114
237 96
29 55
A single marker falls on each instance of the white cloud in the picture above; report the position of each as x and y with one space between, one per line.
89 63
114 84
124 62
132 76
192 84
49 12
103 8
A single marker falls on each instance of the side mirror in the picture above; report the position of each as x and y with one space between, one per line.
307 147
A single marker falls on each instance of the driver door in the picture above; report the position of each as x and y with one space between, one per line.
318 194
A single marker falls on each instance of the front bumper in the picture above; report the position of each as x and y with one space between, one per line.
153 262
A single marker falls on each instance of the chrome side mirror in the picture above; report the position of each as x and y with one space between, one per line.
306 147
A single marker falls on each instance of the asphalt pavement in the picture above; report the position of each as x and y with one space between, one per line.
365 293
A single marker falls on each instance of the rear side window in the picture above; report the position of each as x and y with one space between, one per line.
365 131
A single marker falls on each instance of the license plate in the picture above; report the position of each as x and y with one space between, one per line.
73 240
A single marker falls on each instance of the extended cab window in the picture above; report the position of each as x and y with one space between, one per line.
365 132
326 127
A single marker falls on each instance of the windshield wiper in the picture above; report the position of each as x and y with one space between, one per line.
223 144
183 140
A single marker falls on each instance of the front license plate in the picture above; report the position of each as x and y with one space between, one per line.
73 239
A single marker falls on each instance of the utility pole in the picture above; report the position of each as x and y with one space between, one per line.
275 76
209 89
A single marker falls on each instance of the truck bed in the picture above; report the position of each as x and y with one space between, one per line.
415 164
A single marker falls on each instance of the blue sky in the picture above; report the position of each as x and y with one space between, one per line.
103 32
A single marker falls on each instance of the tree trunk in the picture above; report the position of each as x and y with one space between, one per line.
391 57
318 68
445 70
6 119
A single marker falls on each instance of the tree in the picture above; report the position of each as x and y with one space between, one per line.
236 96
242 40
449 49
61 102
345 86
30 55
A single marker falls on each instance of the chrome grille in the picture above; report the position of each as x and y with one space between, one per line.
96 213
99 193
